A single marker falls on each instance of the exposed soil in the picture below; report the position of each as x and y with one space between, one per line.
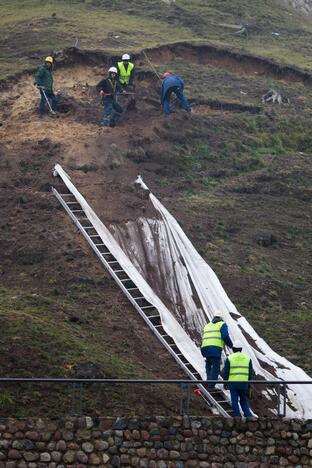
37 238
217 57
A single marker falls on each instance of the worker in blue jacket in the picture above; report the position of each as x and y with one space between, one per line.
172 84
238 367
215 337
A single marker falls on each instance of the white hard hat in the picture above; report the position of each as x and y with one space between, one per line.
125 57
112 70
218 313
238 344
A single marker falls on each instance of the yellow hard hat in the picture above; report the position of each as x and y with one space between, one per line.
49 59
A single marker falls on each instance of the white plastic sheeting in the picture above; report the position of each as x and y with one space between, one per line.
170 324
189 279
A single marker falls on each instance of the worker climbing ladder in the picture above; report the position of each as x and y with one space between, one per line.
216 399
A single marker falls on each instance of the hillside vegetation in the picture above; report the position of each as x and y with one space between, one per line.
32 28
234 168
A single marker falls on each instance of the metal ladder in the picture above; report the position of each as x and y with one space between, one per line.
216 399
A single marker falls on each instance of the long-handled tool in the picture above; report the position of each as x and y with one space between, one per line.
156 73
151 65
47 100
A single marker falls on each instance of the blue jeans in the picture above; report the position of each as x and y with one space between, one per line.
212 369
242 396
112 111
179 93
42 106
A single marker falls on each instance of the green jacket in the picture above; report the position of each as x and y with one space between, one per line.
44 78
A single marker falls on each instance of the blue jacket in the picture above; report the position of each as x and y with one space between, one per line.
236 386
170 82
216 351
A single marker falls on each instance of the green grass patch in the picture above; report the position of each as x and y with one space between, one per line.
31 29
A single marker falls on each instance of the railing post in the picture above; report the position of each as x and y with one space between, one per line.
279 399
284 400
80 398
77 395
185 400
188 397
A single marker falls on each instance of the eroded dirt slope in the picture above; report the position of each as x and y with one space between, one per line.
221 173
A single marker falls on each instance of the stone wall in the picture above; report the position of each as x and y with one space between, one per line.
155 442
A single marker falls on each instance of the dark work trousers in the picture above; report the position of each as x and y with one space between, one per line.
212 369
242 396
43 103
179 93
112 111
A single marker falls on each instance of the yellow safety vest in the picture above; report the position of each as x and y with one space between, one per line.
212 335
239 366
124 75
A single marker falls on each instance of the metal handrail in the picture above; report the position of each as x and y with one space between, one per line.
152 381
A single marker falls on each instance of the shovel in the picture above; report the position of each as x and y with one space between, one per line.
48 102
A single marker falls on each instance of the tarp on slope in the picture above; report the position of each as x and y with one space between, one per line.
195 289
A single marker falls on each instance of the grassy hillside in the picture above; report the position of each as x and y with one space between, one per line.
32 28
234 168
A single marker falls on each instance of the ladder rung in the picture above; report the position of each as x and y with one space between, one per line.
157 326
132 289
153 316
111 262
148 307
88 227
97 245
221 402
119 271
94 235
67 195
83 219
72 203
126 279
106 253
137 298
77 211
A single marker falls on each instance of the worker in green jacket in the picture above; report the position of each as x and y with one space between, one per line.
44 81
238 367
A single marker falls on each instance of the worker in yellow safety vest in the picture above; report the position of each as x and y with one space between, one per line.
215 337
238 367
125 71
